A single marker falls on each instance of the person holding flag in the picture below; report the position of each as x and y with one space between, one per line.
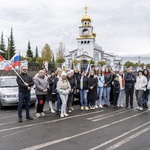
25 82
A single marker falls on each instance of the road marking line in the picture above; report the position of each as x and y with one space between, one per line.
128 139
118 137
36 147
107 114
52 121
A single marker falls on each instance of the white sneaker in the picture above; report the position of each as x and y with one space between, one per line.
43 114
37 115
66 115
100 106
52 111
72 108
138 107
96 106
69 111
121 105
117 105
91 107
61 115
141 108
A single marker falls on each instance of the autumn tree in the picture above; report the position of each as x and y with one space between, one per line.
60 54
47 53
128 64
101 63
148 65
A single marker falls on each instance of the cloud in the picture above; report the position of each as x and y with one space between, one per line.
122 26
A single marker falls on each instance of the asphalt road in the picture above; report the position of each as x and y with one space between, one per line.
103 129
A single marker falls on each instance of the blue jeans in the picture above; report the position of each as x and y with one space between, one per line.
106 92
99 93
121 97
83 97
145 98
24 97
59 103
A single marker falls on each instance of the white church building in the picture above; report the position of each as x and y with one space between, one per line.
87 49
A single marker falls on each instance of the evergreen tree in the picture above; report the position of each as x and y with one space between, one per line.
36 55
29 51
60 54
47 53
36 52
2 46
11 44
53 60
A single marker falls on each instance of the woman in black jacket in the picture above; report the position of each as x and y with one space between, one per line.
71 80
92 94
116 90
83 88
51 97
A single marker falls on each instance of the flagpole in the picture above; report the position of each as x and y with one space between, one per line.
17 73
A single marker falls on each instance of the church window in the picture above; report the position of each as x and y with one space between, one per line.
85 32
88 42
81 42
84 42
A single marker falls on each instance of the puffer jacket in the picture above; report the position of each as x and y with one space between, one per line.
141 83
63 84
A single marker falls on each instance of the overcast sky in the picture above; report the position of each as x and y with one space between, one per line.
122 26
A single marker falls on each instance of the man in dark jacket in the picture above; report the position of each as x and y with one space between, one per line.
130 80
25 83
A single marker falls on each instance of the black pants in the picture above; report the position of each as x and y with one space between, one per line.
115 99
129 94
70 101
41 101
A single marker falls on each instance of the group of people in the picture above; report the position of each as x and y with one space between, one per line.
61 88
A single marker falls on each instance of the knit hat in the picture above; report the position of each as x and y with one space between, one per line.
69 72
63 74
52 71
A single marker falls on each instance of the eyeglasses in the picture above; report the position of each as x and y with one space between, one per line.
24 69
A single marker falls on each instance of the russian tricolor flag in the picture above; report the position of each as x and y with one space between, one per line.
14 62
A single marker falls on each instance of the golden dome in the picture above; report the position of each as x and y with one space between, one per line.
94 34
86 17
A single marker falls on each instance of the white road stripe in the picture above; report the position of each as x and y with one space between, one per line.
46 122
128 139
106 117
118 137
107 114
36 147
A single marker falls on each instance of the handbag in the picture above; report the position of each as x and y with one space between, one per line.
148 85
